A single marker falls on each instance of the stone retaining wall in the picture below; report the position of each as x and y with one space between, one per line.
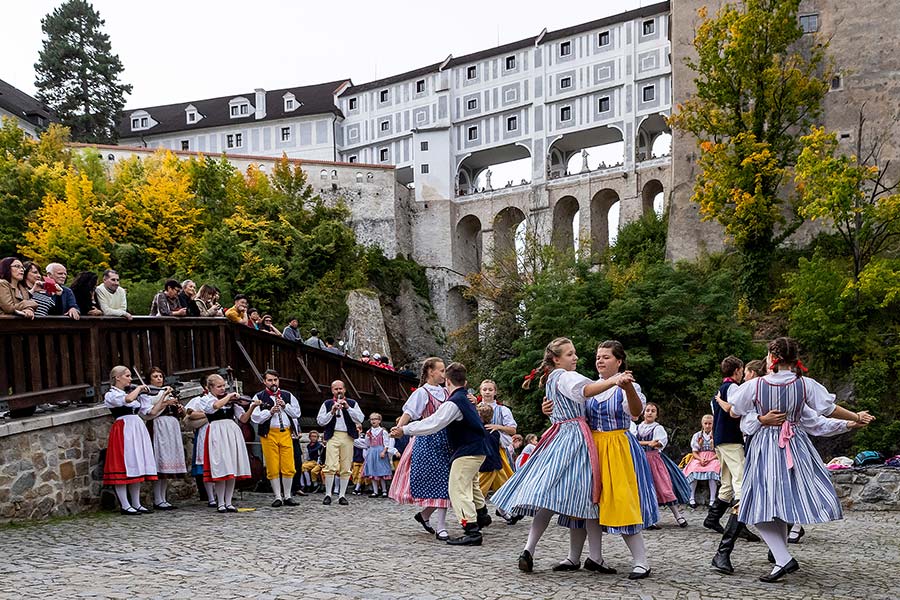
870 488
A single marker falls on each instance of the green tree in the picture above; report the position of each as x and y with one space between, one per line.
78 74
759 87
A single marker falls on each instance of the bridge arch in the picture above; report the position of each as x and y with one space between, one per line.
601 205
507 224
564 234
652 197
469 245
653 128
494 168
604 145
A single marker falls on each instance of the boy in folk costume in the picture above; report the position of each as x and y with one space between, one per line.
312 466
339 416
468 443
275 420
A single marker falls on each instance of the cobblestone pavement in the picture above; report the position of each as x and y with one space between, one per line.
373 549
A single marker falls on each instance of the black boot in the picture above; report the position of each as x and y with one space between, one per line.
722 560
715 515
484 519
470 537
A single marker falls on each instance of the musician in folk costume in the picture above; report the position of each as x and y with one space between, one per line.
339 416
276 422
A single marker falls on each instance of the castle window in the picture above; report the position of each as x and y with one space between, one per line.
185 144
423 146
285 134
837 83
472 133
565 113
420 86
603 38
472 72
323 174
353 158
425 169
565 49
471 103
384 125
383 96
565 83
383 155
351 104
234 140
191 117
648 27
510 63
512 123
809 23
603 104
649 93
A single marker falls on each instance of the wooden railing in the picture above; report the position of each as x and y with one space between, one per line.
54 359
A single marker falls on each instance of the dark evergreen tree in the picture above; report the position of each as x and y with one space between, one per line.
78 74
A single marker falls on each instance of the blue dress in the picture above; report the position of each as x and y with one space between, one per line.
558 476
784 477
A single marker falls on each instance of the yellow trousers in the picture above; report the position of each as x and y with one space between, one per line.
278 452
731 457
314 469
339 454
465 491
490 481
356 472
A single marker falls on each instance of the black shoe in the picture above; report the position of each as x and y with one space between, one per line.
590 565
483 518
469 538
326 500
790 567
291 502
130 511
298 493
212 504
277 503
164 507
222 510
682 522
144 510
442 536
421 521
343 501
526 562
567 565
693 505
514 519
653 527
792 539
375 495
643 574
357 493
231 508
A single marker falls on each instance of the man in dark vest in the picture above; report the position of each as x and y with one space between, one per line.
728 441
275 421
339 416
469 444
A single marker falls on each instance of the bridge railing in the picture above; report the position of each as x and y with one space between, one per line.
53 359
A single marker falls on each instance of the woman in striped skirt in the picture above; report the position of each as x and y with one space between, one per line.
784 479
561 476
671 486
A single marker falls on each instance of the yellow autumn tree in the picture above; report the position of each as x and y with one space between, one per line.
66 228
155 219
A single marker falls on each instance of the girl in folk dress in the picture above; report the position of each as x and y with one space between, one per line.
784 479
129 452
379 447
423 473
671 487
168 447
225 457
562 475
195 419
704 466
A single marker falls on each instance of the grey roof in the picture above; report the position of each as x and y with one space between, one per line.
363 87
316 99
644 11
22 105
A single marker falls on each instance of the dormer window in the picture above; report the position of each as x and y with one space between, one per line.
191 115
290 102
238 107
141 120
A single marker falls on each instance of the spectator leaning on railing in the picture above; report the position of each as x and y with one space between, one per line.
186 298
64 303
37 289
238 312
292 331
84 288
13 300
165 303
207 301
111 296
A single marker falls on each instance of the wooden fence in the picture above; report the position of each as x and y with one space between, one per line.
55 358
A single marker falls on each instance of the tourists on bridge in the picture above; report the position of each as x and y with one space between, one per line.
111 296
339 416
225 459
166 303
424 469
13 299
238 312
65 303
563 475
468 442
276 418
784 478
129 451
292 330
168 446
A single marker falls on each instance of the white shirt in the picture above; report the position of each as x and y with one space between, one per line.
325 416
206 402
503 416
418 400
811 423
606 395
696 441
571 384
193 405
280 419
115 398
659 433
365 440
443 416
817 397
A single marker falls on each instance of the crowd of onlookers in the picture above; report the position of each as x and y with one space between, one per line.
28 291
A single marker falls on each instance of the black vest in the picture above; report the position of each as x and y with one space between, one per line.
726 429
121 411
220 415
467 436
263 428
351 426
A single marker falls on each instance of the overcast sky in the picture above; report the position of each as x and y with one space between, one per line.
190 50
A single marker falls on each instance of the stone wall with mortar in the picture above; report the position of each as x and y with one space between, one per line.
872 488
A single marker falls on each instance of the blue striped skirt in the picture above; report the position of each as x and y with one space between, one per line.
803 494
557 477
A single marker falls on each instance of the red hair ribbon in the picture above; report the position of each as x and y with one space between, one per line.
801 366
413 388
530 376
